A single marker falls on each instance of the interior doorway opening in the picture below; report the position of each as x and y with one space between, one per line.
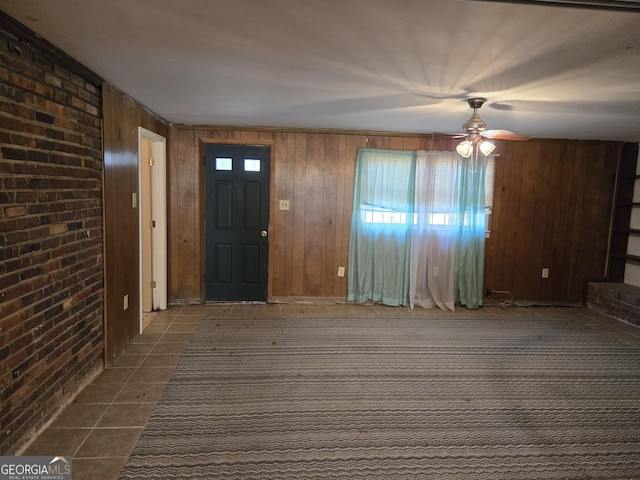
152 181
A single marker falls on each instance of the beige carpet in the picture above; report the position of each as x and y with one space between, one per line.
348 392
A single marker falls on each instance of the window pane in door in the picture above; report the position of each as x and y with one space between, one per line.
223 163
251 165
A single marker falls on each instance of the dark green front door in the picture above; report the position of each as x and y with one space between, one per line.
237 222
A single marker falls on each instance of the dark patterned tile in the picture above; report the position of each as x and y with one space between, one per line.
58 441
169 348
166 360
98 393
127 415
128 361
109 442
115 375
98 468
141 392
80 415
152 375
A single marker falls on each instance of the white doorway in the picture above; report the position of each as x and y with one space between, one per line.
152 185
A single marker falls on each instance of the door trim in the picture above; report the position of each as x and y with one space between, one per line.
202 204
159 213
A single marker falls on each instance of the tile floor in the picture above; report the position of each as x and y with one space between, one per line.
101 426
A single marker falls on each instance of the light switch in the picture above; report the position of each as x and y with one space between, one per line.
284 204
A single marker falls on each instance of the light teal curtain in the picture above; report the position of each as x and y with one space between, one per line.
418 229
379 243
469 258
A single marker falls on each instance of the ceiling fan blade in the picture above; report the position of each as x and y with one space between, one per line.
611 5
449 135
505 135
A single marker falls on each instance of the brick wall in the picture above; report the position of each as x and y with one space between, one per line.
51 272
617 300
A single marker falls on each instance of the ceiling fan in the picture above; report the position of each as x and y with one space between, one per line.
612 5
476 133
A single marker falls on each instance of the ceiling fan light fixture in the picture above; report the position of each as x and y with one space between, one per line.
465 149
486 147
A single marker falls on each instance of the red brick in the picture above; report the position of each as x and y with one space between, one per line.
21 81
21 342
12 361
22 112
16 211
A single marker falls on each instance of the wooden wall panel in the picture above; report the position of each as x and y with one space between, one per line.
186 206
341 219
279 222
299 199
544 192
313 222
329 210
529 153
552 209
122 116
120 223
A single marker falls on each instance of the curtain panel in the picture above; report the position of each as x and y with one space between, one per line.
469 263
434 234
378 268
418 229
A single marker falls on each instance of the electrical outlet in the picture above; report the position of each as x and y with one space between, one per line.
284 204
125 302
545 273
341 271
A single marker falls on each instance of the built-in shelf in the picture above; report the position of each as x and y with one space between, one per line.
630 231
627 257
624 207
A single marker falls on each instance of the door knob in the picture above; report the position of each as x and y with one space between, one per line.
263 233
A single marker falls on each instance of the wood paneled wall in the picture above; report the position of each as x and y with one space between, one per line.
552 209
122 116
553 206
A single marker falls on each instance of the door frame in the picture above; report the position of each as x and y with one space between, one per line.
202 175
159 212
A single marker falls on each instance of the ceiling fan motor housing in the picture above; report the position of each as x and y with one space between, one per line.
475 124
476 102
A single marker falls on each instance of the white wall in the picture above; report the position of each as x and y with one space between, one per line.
632 270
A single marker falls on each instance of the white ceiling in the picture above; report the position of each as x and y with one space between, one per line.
384 65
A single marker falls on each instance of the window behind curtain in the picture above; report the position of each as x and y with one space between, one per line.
386 178
383 218
444 183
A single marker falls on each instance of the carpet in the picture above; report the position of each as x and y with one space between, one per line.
518 394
